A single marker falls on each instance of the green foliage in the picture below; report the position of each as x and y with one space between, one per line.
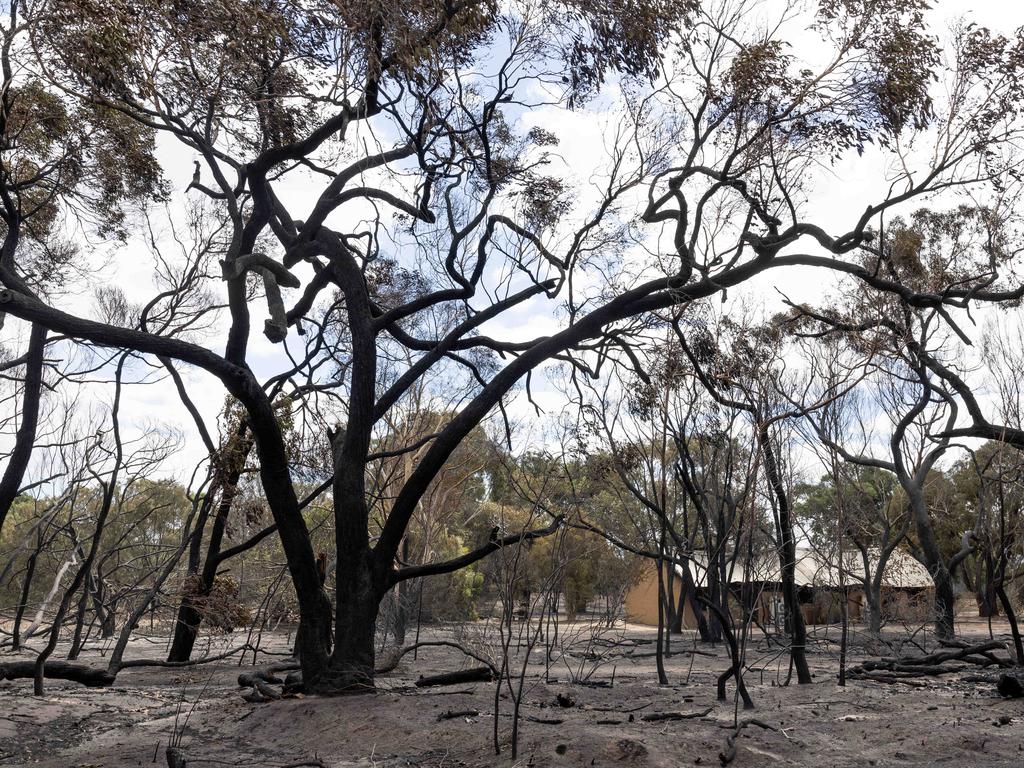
901 56
871 501
622 36
936 248
65 158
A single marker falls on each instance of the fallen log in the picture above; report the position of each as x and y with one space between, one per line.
914 670
452 714
593 683
655 717
619 710
891 679
96 677
471 675
91 677
249 679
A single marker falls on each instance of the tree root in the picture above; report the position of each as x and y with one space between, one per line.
263 680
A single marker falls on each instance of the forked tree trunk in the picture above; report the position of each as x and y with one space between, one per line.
794 616
677 615
105 614
934 562
945 600
190 617
659 651
988 605
787 561
77 639
688 596
351 665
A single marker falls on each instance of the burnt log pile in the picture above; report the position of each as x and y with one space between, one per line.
957 658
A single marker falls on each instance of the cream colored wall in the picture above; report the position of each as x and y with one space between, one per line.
641 604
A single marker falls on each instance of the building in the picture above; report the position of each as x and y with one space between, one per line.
907 587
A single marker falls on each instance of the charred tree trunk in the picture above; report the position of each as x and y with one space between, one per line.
672 616
873 602
1011 617
659 651
844 639
360 583
988 602
401 593
24 440
26 585
873 595
105 614
313 637
362 574
719 596
677 616
933 561
186 629
688 596
190 615
787 561
77 640
351 667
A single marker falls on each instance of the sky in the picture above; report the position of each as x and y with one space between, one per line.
856 181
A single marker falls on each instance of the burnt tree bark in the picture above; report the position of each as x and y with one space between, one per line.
24 439
190 614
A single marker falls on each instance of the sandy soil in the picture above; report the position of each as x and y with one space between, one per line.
943 721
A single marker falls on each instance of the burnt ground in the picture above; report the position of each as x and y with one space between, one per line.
934 721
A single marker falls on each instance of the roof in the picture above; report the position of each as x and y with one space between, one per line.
902 571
